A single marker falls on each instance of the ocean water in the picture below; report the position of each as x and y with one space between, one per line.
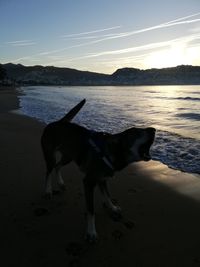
173 110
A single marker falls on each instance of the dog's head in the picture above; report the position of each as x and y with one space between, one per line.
135 144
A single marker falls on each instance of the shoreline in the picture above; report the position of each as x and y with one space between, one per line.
176 143
161 208
16 92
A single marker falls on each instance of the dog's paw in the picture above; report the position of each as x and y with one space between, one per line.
116 213
117 210
91 237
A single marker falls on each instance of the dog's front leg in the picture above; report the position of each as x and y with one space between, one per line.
107 202
60 179
63 161
89 186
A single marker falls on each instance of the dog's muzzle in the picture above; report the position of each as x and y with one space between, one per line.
146 157
144 150
145 153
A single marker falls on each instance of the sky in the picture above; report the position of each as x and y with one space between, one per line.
100 35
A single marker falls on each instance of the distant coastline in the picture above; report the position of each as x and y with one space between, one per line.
39 75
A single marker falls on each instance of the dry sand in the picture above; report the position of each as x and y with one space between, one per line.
161 209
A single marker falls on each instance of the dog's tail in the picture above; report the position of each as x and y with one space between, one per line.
72 113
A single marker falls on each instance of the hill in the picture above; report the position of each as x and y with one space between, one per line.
180 75
36 75
39 75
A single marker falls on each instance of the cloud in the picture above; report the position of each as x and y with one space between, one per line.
185 39
171 23
94 36
102 38
159 26
182 18
21 43
90 32
121 35
22 58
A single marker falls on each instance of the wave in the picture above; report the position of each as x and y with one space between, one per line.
177 152
195 92
188 98
189 116
179 98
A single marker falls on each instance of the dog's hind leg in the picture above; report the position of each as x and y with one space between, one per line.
50 164
59 178
64 160
89 186
107 202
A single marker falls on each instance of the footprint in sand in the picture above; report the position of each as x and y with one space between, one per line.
117 234
129 224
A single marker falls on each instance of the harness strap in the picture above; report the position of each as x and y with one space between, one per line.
103 156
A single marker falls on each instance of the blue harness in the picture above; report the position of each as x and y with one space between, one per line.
98 145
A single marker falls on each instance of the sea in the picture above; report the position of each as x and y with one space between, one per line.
173 110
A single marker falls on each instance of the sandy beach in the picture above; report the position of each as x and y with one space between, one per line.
161 209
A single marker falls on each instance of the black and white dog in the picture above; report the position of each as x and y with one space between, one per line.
98 154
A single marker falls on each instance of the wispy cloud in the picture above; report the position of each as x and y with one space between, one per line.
147 47
176 22
90 32
155 45
21 43
94 36
168 24
22 58
110 36
182 18
171 23
127 34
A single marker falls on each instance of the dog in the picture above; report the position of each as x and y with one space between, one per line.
98 154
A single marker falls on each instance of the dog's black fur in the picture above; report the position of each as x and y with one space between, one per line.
97 154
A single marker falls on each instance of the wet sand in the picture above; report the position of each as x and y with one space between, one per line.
161 209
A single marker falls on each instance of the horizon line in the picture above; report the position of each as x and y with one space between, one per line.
59 67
